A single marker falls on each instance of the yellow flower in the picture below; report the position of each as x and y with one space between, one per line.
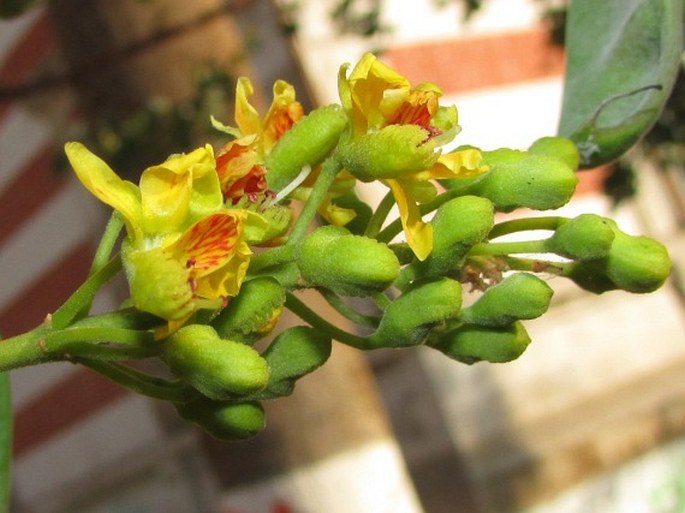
395 134
184 250
240 163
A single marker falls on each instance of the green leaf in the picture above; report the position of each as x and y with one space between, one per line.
5 441
622 60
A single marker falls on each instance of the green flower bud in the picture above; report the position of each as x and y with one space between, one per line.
350 265
559 148
390 152
307 143
586 237
518 180
519 296
471 343
294 353
225 421
635 264
219 369
589 276
253 312
408 320
457 226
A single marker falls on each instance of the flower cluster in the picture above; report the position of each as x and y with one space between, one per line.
205 295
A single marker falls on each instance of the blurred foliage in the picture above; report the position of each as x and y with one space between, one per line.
162 127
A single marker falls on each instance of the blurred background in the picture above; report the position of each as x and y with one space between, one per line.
590 419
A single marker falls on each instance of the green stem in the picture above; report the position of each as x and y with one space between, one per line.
507 248
380 215
329 170
25 349
101 342
107 242
347 311
308 315
526 224
77 305
534 265
141 382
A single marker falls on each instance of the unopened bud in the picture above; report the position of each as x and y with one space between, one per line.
294 353
408 320
219 369
390 152
457 226
586 237
225 421
307 143
253 312
519 296
517 179
350 265
472 343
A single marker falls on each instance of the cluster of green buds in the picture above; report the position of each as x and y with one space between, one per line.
214 249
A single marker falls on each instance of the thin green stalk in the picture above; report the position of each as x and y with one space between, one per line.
77 305
101 342
380 215
347 311
534 265
6 435
526 224
141 382
107 242
329 169
316 321
507 248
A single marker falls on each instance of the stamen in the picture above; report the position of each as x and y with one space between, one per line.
304 173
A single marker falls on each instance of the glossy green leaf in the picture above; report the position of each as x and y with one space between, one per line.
622 60
5 442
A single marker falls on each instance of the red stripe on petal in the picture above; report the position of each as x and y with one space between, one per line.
209 243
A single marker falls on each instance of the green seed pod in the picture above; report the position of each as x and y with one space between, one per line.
219 369
307 143
253 312
586 237
350 265
225 421
457 226
559 148
408 320
294 353
518 180
470 343
519 296
391 152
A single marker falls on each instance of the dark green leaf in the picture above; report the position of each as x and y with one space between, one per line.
622 61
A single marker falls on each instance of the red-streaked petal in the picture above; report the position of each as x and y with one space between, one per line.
209 243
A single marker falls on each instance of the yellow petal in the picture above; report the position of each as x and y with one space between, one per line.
104 184
458 164
246 116
419 234
284 112
165 199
